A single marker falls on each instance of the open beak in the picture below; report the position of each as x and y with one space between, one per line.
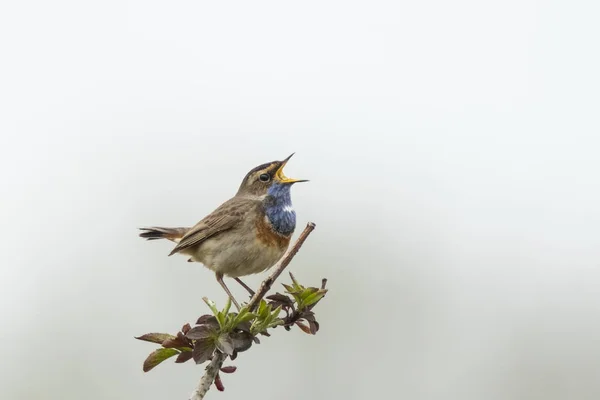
284 179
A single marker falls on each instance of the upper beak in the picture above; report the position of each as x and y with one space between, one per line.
284 179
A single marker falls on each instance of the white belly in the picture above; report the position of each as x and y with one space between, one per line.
234 258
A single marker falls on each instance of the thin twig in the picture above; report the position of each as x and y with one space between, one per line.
267 283
209 376
218 358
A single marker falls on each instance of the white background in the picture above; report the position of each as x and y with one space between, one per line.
452 149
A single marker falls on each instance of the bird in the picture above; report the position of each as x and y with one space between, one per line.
245 235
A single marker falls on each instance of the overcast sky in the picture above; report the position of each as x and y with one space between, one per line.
452 151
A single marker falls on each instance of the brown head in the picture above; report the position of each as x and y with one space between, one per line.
258 181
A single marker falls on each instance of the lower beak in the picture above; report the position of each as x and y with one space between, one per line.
284 179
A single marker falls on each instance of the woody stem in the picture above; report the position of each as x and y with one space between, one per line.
212 370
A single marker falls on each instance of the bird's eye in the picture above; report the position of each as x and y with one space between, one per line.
265 178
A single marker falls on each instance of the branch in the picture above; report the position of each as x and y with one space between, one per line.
265 286
212 370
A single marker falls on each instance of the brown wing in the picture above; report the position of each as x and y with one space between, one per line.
227 216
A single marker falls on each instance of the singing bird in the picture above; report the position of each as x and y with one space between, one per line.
245 235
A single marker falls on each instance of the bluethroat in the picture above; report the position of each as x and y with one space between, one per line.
247 234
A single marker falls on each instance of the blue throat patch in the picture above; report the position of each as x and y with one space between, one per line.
278 208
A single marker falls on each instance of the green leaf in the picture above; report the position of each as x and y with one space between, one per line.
256 327
203 349
227 306
246 317
211 304
261 306
158 338
276 322
276 312
288 288
313 298
223 316
297 285
241 314
308 291
158 356
225 344
264 310
269 319
241 320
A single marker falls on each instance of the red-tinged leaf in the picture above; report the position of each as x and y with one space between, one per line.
219 383
183 357
229 369
225 344
280 298
308 315
155 337
314 326
183 339
304 328
203 350
171 343
201 332
185 328
158 356
242 341
174 343
208 320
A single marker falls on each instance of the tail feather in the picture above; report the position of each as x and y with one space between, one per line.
155 232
